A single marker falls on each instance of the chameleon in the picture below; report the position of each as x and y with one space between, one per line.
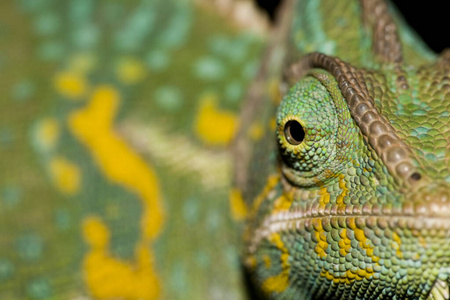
355 199
121 122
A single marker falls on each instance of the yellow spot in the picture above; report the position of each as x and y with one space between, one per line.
321 237
340 198
65 175
214 126
283 203
71 85
48 133
344 243
130 70
256 131
95 233
277 283
348 277
324 196
364 242
280 282
110 278
396 245
237 205
93 126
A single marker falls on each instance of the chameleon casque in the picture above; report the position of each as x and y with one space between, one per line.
120 122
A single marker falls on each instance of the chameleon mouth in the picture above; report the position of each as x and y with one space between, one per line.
412 216
426 208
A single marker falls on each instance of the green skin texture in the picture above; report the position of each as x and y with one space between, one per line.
358 241
184 50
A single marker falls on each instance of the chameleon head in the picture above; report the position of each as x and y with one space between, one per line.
362 202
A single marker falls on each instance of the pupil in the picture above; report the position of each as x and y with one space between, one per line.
294 132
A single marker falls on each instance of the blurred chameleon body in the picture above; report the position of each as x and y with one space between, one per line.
116 125
114 122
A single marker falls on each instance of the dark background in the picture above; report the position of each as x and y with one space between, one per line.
430 19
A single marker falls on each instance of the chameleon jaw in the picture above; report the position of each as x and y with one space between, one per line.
296 221
426 208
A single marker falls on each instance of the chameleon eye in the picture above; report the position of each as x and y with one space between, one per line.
294 132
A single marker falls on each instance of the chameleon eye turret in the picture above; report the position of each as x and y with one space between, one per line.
314 127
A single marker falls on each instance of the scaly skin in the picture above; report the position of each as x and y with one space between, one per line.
115 117
115 121
357 205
